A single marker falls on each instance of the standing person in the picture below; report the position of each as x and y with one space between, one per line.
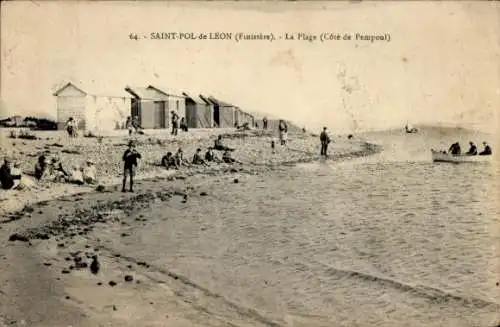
130 163
136 124
264 123
325 140
71 127
129 125
175 122
283 128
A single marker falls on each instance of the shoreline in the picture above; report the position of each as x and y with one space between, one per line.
46 240
14 201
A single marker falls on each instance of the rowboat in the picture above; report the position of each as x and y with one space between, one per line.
440 156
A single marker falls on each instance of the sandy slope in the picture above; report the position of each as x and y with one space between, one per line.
36 292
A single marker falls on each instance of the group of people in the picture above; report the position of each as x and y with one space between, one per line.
171 161
456 150
11 176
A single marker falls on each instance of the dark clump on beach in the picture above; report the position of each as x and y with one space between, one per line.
17 237
112 283
128 278
82 220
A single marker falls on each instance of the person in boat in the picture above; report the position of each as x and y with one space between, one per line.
168 161
487 150
455 149
7 179
218 145
472 149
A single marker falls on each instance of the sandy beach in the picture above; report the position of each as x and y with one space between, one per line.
52 231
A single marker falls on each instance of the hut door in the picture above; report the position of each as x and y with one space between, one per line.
160 114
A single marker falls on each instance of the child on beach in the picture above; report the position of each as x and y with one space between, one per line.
168 161
197 159
130 163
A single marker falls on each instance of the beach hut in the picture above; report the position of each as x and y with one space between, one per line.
198 112
94 107
153 106
224 113
242 117
176 99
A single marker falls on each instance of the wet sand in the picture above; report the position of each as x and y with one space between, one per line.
49 245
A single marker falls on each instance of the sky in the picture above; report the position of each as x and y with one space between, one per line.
441 65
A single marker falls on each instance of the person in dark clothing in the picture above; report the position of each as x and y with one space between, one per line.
183 125
226 157
168 161
210 156
472 149
6 177
487 150
325 140
218 145
40 167
130 163
455 149
264 123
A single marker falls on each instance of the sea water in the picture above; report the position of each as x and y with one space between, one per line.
391 240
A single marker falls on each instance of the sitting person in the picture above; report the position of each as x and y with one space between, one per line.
7 178
210 156
179 158
90 173
56 170
226 157
40 167
487 150
455 149
472 149
218 145
76 176
183 125
197 159
169 161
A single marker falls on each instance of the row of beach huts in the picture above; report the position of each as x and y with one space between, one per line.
98 109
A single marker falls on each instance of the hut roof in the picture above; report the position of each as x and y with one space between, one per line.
145 93
167 91
92 88
220 102
196 98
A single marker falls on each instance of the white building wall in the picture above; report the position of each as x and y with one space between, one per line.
107 113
